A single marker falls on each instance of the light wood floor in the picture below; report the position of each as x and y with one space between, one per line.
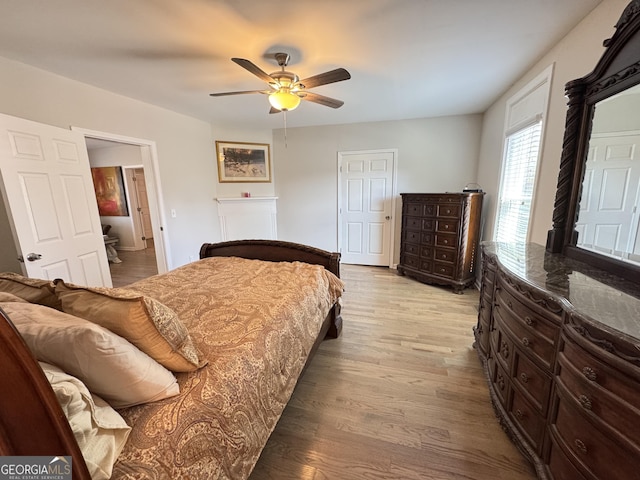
400 395
135 265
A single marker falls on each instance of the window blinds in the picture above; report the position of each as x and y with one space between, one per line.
517 185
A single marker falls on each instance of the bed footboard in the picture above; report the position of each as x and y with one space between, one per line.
280 251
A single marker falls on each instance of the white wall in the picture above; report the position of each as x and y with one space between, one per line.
574 56
434 155
184 144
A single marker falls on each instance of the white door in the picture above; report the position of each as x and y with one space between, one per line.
366 202
607 220
143 203
48 192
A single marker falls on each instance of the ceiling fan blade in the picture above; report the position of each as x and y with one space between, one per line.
322 100
337 75
224 94
253 68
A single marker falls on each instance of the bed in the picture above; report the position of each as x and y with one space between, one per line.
254 312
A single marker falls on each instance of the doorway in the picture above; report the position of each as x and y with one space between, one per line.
142 246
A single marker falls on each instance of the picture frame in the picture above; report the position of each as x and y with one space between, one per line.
242 162
108 184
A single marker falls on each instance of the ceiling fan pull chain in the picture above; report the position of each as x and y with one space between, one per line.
285 128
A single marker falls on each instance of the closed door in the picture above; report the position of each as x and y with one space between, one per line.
50 201
608 216
366 199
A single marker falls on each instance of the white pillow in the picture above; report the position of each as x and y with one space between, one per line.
106 363
99 430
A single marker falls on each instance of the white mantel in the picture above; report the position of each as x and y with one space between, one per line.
247 218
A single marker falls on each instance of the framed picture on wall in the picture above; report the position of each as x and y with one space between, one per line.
110 193
243 162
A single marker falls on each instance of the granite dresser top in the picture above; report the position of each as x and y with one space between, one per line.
598 295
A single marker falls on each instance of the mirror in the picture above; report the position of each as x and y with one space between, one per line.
595 216
608 215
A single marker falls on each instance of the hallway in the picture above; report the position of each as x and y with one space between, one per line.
135 265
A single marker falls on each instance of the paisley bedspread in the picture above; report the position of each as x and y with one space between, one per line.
255 322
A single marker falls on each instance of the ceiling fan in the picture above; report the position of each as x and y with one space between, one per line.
286 89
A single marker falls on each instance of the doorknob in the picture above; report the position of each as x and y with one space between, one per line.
32 257
387 217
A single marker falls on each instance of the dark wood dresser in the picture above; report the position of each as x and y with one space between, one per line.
560 342
440 234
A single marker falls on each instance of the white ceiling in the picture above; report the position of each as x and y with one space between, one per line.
407 58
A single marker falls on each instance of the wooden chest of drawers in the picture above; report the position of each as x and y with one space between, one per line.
523 341
596 411
565 387
482 329
440 234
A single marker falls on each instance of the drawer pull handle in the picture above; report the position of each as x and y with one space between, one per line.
524 377
585 402
589 373
529 321
519 414
526 342
446 242
504 350
580 446
443 256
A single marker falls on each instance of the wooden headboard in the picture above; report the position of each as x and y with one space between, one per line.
274 251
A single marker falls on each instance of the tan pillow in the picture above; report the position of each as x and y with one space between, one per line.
106 363
99 430
151 326
10 297
33 290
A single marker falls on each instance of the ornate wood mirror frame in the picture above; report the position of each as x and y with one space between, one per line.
617 70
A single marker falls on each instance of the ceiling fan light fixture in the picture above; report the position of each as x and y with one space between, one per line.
284 100
286 88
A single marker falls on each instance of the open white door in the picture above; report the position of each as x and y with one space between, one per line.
48 192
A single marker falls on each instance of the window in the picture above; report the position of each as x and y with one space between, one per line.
517 185
524 119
